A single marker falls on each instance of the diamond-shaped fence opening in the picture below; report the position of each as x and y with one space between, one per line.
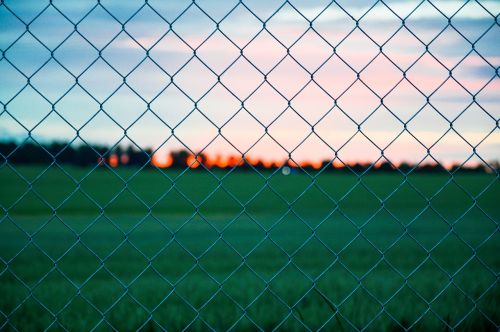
249 165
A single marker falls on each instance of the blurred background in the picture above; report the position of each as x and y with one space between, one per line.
89 73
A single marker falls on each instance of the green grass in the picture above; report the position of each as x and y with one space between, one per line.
302 253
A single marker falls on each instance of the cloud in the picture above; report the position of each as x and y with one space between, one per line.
401 8
264 52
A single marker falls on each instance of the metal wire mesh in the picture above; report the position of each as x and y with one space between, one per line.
257 24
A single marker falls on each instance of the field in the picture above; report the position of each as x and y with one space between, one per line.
240 250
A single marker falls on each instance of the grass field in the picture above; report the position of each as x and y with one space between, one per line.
240 250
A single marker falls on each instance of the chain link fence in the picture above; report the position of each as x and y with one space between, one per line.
280 241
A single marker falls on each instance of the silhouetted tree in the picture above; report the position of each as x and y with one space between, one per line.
385 167
31 152
179 158
139 157
404 167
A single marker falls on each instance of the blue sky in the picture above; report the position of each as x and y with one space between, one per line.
122 71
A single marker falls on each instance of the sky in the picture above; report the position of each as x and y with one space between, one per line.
309 80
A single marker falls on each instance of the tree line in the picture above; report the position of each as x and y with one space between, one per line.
85 155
